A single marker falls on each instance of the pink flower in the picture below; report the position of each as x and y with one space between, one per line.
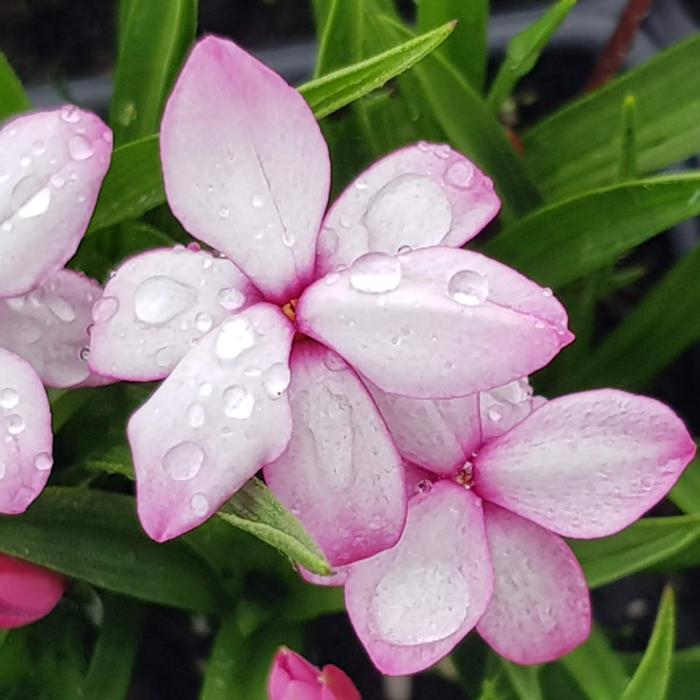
483 546
27 592
51 169
293 678
247 172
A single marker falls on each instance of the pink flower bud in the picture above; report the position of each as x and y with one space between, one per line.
294 678
27 592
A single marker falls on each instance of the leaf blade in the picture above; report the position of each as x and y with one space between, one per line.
13 98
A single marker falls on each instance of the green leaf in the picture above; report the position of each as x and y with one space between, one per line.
65 403
656 332
329 93
524 680
648 542
13 98
94 536
597 669
109 675
652 678
563 242
686 493
523 52
155 37
628 147
468 124
467 50
578 147
254 509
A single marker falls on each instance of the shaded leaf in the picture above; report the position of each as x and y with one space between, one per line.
13 98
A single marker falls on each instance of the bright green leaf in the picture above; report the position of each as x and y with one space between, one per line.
13 98
578 147
686 493
94 536
563 242
628 147
155 37
524 50
648 542
651 680
524 680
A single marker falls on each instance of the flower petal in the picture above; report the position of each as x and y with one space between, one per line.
48 327
419 196
340 465
435 323
25 422
246 167
158 305
27 592
504 407
51 170
439 435
410 605
540 609
216 420
588 464
339 684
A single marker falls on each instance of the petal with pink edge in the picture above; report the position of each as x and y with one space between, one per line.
439 435
218 418
586 465
504 407
51 169
435 323
27 592
158 305
540 609
337 685
246 167
410 605
419 196
340 465
48 327
26 442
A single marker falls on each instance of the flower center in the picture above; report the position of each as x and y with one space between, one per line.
465 477
290 310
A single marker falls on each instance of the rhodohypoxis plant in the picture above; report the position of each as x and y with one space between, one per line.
247 171
51 169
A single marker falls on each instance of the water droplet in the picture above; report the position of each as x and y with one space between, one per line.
84 353
205 389
108 136
159 299
199 504
60 308
495 414
468 287
460 175
257 201
423 146
424 486
375 273
43 461
235 336
361 184
238 402
442 151
230 298
80 148
331 278
540 325
277 380
9 398
252 372
204 322
334 362
163 357
404 249
104 309
57 180
70 114
25 161
547 292
15 424
38 148
207 261
183 461
224 212
196 415
6 226
30 198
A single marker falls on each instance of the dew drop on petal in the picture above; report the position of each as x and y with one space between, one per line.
230 298
43 461
204 322
104 309
163 357
15 424
30 198
460 175
160 298
238 402
224 212
235 335
375 273
334 362
183 461
205 389
9 398
277 379
196 415
80 148
70 114
468 288
199 504
257 201
60 308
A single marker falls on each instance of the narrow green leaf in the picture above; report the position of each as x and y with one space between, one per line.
468 124
66 402
652 678
655 333
524 50
578 147
109 675
329 93
524 680
648 542
255 510
565 241
155 37
686 493
467 49
225 664
628 147
13 98
597 669
94 536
